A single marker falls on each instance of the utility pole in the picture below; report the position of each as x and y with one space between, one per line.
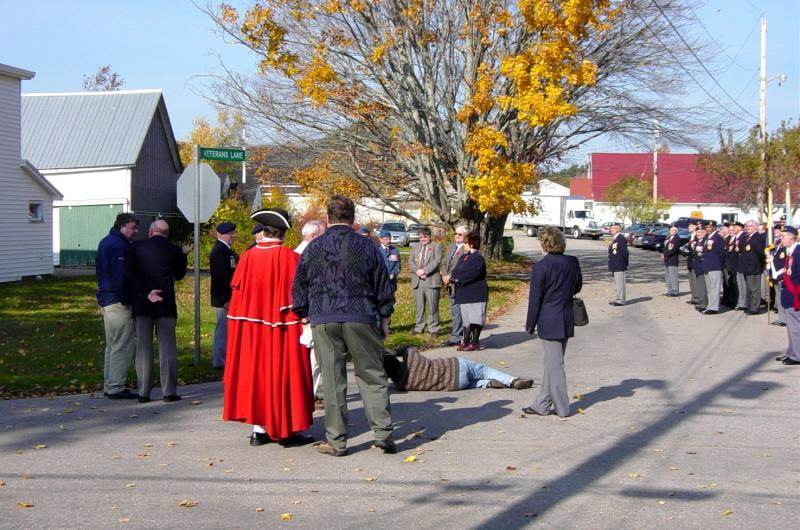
244 162
656 138
762 123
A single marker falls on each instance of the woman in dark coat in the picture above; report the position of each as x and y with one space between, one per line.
554 281
471 291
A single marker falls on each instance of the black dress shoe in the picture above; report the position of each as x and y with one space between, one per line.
710 312
144 399
790 362
748 312
701 309
387 446
779 324
260 438
691 302
780 358
740 308
532 412
171 398
296 440
125 394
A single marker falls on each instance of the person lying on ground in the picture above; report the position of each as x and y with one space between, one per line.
414 371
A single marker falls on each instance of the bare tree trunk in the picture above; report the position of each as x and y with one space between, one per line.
492 235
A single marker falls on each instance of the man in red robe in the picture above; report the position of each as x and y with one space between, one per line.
267 373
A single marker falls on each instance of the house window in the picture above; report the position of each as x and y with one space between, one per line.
35 212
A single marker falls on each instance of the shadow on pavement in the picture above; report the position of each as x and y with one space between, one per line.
586 473
626 388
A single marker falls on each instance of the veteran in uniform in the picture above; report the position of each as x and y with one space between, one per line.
697 248
618 263
777 259
751 264
222 262
670 258
692 227
789 276
713 261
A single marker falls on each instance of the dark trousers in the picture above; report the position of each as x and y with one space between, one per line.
693 286
753 298
730 289
332 342
701 294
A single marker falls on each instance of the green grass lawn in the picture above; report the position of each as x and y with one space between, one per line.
51 333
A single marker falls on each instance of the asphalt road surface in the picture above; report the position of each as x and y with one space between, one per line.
680 421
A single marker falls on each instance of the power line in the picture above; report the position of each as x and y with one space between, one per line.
701 63
686 70
719 46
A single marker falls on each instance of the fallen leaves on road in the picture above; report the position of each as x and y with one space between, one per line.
148 445
581 411
124 519
144 455
286 517
529 514
196 402
130 485
502 363
23 504
510 468
357 469
259 509
41 446
634 475
727 512
578 396
172 444
370 479
186 503
297 502
2 483
411 458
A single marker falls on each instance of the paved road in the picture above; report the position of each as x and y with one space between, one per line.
686 422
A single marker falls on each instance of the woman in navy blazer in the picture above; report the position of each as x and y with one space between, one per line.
554 281
471 291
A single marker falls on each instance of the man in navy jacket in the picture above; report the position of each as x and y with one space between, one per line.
618 263
713 263
222 264
114 300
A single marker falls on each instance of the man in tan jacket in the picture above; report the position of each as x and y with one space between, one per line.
426 281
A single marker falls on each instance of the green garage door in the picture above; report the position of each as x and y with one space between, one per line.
82 228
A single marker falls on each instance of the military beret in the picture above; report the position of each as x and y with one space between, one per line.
790 229
257 228
363 230
276 217
226 228
739 224
385 233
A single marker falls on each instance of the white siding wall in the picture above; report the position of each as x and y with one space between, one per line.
100 186
27 246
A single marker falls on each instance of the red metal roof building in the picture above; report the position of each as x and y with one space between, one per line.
679 178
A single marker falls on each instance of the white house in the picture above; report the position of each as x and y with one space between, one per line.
108 152
26 196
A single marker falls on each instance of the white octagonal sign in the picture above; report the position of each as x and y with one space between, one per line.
209 192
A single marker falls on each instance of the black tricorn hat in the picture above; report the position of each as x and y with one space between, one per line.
276 217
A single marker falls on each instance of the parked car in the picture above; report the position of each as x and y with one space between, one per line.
398 231
654 239
606 228
683 222
413 232
634 234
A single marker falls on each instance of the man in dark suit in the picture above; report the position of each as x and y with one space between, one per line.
153 265
670 258
449 262
751 264
222 262
426 281
690 262
697 248
713 262
618 263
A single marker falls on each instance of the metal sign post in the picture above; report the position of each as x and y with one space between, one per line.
197 255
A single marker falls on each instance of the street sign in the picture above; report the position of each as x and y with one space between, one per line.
227 155
209 193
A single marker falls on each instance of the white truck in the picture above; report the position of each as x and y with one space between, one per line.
555 207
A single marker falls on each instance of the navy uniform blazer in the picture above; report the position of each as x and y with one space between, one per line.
469 277
392 259
751 254
690 255
672 249
223 262
554 281
618 253
714 253
731 257
787 298
778 258
698 248
155 263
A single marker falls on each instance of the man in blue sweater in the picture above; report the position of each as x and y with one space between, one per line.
114 298
342 288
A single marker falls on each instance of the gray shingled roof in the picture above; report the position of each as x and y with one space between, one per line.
86 129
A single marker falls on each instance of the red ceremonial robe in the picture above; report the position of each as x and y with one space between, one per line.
267 371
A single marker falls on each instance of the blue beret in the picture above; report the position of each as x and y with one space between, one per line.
363 230
385 233
790 229
226 228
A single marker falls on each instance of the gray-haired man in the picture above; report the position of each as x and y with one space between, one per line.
450 259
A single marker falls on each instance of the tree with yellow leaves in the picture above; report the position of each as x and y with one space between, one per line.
452 103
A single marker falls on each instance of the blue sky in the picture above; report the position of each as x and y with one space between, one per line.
166 44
